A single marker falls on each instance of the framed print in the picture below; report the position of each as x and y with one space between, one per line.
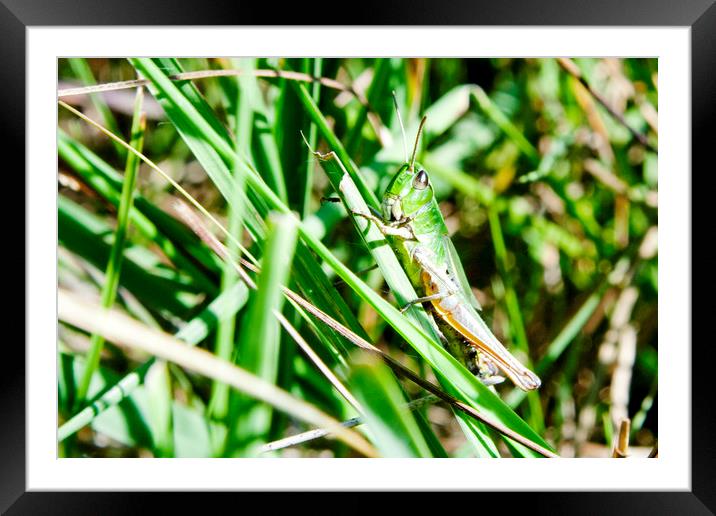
302 258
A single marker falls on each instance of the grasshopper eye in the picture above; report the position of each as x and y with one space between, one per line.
421 180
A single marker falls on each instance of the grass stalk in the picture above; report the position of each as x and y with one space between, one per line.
517 325
114 266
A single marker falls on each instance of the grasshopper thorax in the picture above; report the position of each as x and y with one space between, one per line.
407 195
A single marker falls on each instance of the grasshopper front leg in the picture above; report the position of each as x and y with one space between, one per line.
404 232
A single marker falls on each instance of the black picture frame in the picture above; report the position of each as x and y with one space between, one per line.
700 15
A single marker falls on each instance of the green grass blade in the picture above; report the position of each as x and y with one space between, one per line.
159 394
504 123
265 149
259 340
290 121
392 427
259 145
307 181
536 417
432 440
114 265
225 335
478 438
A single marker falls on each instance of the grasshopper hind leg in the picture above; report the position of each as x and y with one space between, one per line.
486 370
476 362
482 367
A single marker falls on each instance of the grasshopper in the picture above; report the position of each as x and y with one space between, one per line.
411 221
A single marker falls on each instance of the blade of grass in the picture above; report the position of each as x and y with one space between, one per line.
261 147
504 123
480 441
264 146
535 417
158 387
290 121
432 440
114 266
258 349
392 427
225 336
307 181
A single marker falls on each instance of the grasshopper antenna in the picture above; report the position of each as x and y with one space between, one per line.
402 127
417 139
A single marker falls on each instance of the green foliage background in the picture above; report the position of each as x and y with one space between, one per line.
550 199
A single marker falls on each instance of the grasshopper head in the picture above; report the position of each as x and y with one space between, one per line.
408 193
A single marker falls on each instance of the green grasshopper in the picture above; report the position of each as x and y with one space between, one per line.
411 221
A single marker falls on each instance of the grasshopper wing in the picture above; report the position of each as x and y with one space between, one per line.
456 271
455 310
